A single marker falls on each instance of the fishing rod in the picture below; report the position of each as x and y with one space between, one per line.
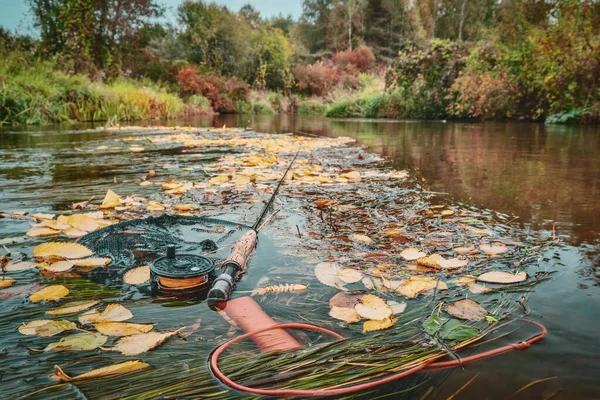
236 262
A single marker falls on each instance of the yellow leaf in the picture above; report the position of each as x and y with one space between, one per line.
61 250
351 176
502 277
46 327
111 200
6 281
171 184
378 325
117 369
140 343
73 232
92 262
439 262
412 254
349 275
345 314
219 179
372 307
361 238
473 229
57 226
73 307
137 276
182 207
415 285
42 232
112 313
52 292
122 328
83 222
43 217
155 206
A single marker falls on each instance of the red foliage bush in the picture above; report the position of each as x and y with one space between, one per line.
222 93
317 79
354 61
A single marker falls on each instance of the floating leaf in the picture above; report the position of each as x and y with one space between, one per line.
372 307
19 291
412 254
397 308
345 300
137 344
78 341
111 200
433 324
373 283
74 232
20 266
112 313
476 288
137 275
92 262
43 217
219 179
281 288
83 222
6 281
454 330
439 262
494 249
42 232
117 369
502 277
61 250
351 176
59 266
182 207
46 327
73 307
52 292
415 285
326 273
465 250
345 314
467 309
361 238
349 275
378 325
122 328
473 229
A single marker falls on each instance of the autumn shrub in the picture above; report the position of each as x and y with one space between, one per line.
316 79
354 61
222 93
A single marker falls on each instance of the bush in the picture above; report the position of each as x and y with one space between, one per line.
243 107
316 79
345 109
263 108
312 107
354 61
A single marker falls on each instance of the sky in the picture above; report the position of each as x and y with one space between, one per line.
13 12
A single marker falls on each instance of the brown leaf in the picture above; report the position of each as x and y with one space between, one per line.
466 250
117 369
502 277
52 292
467 309
82 204
140 343
61 250
122 328
137 276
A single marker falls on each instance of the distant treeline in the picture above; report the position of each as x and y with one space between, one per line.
464 59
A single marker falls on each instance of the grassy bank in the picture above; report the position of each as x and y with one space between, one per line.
39 93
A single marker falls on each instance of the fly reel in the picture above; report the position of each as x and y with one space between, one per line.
181 274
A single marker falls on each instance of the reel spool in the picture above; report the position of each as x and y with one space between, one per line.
181 274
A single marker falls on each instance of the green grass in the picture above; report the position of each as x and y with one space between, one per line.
312 107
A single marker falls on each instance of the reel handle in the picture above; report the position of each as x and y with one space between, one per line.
235 264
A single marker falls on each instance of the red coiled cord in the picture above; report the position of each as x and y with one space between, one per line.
423 367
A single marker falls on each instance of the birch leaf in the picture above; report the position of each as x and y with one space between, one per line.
52 292
122 328
378 325
61 250
140 343
42 232
116 369
372 307
344 314
73 307
326 273
46 327
349 275
59 266
92 262
83 222
6 281
112 313
137 276
494 249
415 285
467 309
111 200
78 341
20 266
412 254
502 277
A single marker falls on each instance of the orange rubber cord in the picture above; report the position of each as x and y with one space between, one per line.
423 367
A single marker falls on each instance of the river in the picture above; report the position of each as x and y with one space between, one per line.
547 177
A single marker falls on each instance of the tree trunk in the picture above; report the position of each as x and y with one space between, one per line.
461 20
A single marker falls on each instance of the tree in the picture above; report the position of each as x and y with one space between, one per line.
93 34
